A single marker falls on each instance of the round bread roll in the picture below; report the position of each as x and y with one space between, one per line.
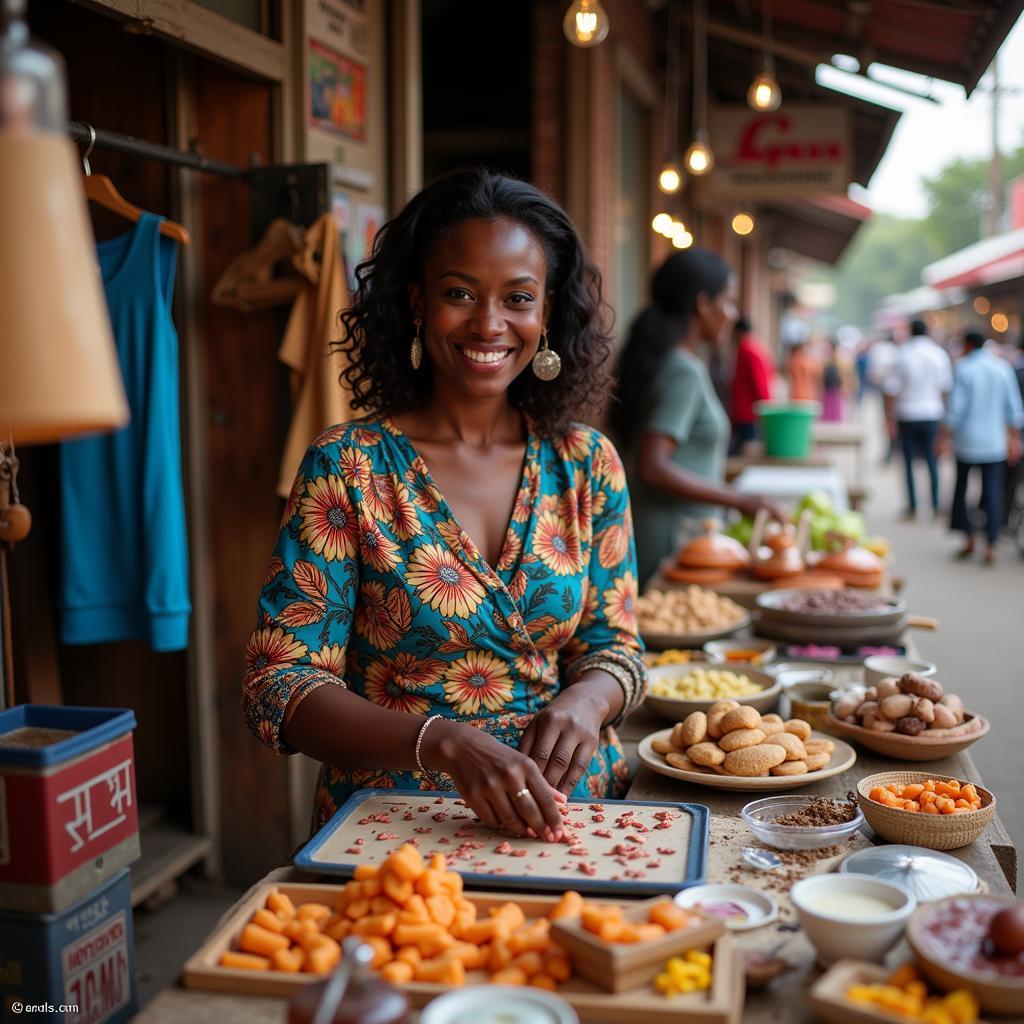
790 768
752 762
798 727
664 747
771 724
794 746
706 753
716 713
744 717
677 736
694 729
815 762
740 738
819 746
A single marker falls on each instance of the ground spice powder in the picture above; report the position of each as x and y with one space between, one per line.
822 812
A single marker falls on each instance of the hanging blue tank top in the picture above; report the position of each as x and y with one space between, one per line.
124 546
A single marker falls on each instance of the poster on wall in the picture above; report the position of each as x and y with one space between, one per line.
337 92
369 220
341 210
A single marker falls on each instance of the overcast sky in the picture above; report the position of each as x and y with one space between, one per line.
929 135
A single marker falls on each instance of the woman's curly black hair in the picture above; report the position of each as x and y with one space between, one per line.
378 327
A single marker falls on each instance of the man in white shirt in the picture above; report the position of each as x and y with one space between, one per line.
915 390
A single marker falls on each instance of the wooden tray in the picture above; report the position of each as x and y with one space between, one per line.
721 1004
617 966
667 641
828 995
349 839
843 756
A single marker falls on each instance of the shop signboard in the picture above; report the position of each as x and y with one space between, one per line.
793 151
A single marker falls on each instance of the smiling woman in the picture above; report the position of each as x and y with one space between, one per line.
450 603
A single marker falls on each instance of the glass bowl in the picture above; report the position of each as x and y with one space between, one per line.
758 816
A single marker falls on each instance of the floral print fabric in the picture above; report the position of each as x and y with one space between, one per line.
373 585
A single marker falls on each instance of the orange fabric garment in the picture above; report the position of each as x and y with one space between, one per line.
805 376
319 400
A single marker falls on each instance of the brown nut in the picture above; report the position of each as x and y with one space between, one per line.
887 687
944 717
752 762
716 713
955 704
798 727
694 730
896 707
846 705
910 726
878 724
707 754
793 745
740 738
744 717
911 682
871 693
869 707
925 710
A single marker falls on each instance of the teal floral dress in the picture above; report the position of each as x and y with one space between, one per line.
373 585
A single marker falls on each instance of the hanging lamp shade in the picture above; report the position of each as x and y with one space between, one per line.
59 373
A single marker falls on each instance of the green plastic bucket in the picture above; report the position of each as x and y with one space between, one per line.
786 428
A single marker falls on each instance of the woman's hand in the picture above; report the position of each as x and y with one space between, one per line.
562 737
491 777
748 505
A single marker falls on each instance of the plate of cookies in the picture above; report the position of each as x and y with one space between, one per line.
734 746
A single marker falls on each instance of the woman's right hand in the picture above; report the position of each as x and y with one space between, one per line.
749 504
488 775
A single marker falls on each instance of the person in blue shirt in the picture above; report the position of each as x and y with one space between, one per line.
982 425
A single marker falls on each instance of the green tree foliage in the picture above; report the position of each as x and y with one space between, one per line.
888 254
885 256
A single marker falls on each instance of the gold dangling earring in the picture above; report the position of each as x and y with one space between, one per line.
546 364
416 348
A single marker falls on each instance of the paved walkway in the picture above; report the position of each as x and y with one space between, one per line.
979 649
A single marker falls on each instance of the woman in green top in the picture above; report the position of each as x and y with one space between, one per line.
671 426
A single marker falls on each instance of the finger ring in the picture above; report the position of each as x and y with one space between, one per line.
520 794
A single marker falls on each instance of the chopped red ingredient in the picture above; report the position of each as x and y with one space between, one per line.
360 841
440 816
445 840
603 833
408 816
353 849
460 803
382 818
640 827
424 830
639 840
597 817
439 800
586 869
544 853
654 864
578 851
503 847
423 809
413 840
664 824
386 835
631 873
667 851
519 852
597 807
465 835
664 816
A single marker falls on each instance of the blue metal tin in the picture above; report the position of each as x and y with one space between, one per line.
94 726
77 966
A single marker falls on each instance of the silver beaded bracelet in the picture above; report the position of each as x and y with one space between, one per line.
419 741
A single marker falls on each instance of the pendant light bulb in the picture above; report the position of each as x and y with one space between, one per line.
669 178
699 158
662 224
681 238
764 93
585 23
743 224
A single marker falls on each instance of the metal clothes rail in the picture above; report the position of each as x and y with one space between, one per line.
83 133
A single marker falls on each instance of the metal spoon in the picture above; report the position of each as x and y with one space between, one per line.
756 857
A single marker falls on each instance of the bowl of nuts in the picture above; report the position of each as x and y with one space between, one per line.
909 718
675 691
687 618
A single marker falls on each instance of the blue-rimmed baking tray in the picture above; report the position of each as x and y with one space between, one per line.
350 839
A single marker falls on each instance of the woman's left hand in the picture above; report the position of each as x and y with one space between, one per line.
563 736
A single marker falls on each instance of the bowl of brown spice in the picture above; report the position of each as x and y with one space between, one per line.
803 822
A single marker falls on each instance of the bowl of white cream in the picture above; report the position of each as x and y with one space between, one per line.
851 915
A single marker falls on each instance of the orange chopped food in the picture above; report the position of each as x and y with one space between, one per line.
934 796
420 927
608 924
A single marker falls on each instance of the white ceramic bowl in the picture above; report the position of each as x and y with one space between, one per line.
838 937
675 709
881 666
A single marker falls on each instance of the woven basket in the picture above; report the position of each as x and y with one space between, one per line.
934 831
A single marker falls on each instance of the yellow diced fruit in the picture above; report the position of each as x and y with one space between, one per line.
697 956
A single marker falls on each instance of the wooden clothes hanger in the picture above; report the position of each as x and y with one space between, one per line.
101 190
